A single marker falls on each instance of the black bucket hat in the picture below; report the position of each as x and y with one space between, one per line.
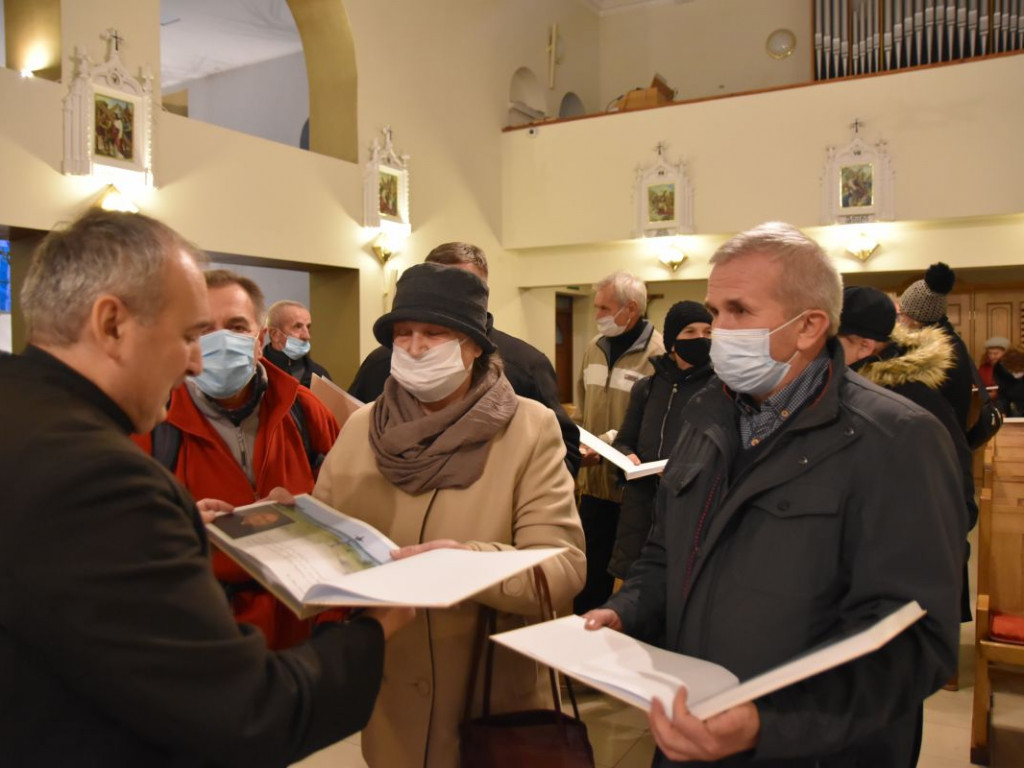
441 295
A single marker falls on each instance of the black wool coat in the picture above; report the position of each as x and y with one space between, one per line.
653 421
117 645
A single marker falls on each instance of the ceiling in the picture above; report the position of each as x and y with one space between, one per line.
200 37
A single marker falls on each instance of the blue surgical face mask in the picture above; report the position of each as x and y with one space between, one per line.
229 363
296 349
743 359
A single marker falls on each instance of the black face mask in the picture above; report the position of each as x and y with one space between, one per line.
696 352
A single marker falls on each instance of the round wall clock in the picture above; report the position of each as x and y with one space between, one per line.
780 43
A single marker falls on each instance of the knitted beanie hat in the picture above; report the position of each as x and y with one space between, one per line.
867 312
447 296
997 342
925 300
680 315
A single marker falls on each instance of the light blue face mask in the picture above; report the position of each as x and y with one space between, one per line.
229 362
296 349
743 359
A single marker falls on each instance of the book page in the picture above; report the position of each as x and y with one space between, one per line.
636 672
617 664
619 459
311 554
338 401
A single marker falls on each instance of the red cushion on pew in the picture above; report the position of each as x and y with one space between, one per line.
1008 628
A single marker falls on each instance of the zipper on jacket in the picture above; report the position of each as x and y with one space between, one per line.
664 419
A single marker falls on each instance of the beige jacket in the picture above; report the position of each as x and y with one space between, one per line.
524 499
603 395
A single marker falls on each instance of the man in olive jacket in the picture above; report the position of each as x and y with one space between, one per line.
801 503
117 646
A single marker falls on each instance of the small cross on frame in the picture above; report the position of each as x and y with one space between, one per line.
660 148
112 36
856 125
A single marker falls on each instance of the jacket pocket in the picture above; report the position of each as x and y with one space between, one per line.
787 541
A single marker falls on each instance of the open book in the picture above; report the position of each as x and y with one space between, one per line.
312 557
636 672
619 459
338 401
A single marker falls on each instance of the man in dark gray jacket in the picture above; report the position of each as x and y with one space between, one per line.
801 503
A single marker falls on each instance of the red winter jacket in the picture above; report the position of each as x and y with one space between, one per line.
207 468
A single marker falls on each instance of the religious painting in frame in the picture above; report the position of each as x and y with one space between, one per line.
386 186
108 116
857 182
115 129
664 198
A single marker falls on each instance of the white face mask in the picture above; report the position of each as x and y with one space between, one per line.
607 326
743 359
433 375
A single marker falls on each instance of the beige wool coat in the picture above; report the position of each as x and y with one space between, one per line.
524 499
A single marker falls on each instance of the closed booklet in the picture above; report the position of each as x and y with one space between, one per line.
338 401
636 672
619 459
312 557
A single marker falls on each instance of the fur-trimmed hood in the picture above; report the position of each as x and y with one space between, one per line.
922 355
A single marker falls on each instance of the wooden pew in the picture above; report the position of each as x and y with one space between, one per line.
1000 574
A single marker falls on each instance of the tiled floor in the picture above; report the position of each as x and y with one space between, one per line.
620 737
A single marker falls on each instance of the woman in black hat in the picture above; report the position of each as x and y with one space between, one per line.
654 420
448 456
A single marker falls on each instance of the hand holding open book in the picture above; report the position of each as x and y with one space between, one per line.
312 557
619 459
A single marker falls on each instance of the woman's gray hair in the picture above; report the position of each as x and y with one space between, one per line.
809 280
102 252
626 288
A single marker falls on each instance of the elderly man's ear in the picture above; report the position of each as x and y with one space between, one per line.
813 328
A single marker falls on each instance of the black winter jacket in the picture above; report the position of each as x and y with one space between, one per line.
653 421
853 509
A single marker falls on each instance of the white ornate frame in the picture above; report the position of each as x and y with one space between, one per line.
110 79
384 160
856 153
664 173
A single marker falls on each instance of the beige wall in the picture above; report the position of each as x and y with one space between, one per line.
438 73
704 47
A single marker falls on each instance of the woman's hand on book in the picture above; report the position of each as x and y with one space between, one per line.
416 549
682 736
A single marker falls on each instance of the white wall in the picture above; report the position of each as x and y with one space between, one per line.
269 99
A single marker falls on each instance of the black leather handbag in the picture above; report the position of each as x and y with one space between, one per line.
990 419
538 738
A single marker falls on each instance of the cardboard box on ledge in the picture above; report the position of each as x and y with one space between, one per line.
658 94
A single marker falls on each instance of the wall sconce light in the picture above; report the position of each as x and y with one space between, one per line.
112 199
672 259
862 246
384 247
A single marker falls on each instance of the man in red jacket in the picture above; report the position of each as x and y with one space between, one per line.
240 429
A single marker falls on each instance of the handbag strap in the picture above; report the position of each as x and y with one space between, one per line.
486 626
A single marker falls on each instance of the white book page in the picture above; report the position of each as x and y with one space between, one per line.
619 459
436 579
616 663
637 672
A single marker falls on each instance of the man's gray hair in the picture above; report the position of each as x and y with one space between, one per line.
102 252
809 280
276 309
454 254
626 288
